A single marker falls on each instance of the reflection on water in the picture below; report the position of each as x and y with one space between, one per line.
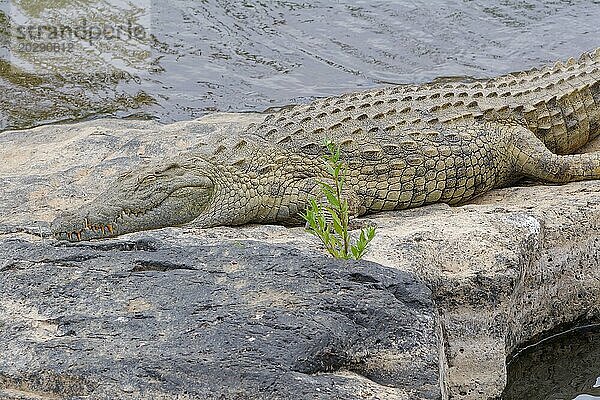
243 55
563 368
49 73
199 56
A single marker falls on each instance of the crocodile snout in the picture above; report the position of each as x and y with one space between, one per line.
75 227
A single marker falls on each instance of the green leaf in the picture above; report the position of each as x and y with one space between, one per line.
336 152
337 223
357 251
366 235
320 221
333 245
329 167
370 233
326 186
332 199
336 170
344 206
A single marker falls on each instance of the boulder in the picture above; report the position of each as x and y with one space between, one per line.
443 297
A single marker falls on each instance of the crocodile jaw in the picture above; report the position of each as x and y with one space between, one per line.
108 220
151 199
84 224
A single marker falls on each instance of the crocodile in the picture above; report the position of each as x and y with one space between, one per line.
404 146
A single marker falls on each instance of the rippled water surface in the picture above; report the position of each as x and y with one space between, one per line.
199 56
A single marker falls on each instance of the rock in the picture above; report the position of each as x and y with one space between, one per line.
259 312
505 272
150 317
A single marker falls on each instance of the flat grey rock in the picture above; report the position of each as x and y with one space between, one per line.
145 318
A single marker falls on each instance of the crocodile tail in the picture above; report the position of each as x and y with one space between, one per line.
561 104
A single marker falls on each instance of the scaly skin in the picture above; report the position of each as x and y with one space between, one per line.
404 146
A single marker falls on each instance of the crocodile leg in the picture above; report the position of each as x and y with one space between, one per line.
534 160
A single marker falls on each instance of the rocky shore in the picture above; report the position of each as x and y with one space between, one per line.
443 297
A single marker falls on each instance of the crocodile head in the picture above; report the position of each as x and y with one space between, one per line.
152 197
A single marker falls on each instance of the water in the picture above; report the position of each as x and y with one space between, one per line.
566 367
201 56
177 60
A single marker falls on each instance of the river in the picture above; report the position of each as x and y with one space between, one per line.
189 58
